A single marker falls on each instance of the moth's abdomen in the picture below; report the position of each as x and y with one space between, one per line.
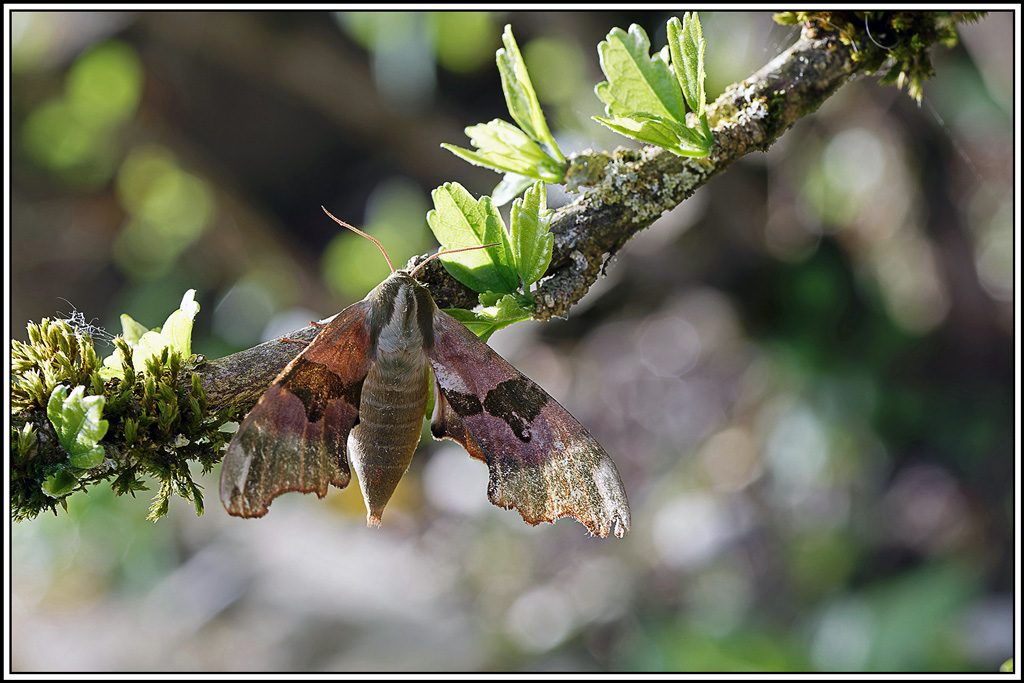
391 409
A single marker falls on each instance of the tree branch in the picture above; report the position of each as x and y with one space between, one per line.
624 192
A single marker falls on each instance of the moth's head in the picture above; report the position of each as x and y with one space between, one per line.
404 275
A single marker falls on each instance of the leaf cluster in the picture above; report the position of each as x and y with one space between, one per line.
646 97
503 272
524 153
175 333
646 100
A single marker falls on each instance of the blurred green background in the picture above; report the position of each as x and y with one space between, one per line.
805 373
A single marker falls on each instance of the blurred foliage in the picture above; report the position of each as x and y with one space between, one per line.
167 210
804 373
75 134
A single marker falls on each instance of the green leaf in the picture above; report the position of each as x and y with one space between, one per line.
77 421
490 298
177 331
457 220
510 187
688 59
520 96
488 320
636 81
532 244
503 147
131 330
60 483
175 334
660 131
652 131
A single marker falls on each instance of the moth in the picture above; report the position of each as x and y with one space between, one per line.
356 397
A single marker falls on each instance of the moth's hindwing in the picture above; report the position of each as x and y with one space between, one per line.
542 462
294 439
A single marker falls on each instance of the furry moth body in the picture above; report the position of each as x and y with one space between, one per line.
357 394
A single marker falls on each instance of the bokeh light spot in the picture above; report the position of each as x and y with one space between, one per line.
541 618
556 69
105 85
464 41
168 211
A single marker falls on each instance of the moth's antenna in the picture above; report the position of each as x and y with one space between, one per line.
450 251
360 232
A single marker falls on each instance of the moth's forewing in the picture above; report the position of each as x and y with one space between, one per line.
541 460
294 439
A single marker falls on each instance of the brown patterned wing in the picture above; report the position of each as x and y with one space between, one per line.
542 462
294 438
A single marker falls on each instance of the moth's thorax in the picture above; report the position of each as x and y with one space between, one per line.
401 320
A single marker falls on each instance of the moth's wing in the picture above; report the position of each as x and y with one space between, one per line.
294 437
542 462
